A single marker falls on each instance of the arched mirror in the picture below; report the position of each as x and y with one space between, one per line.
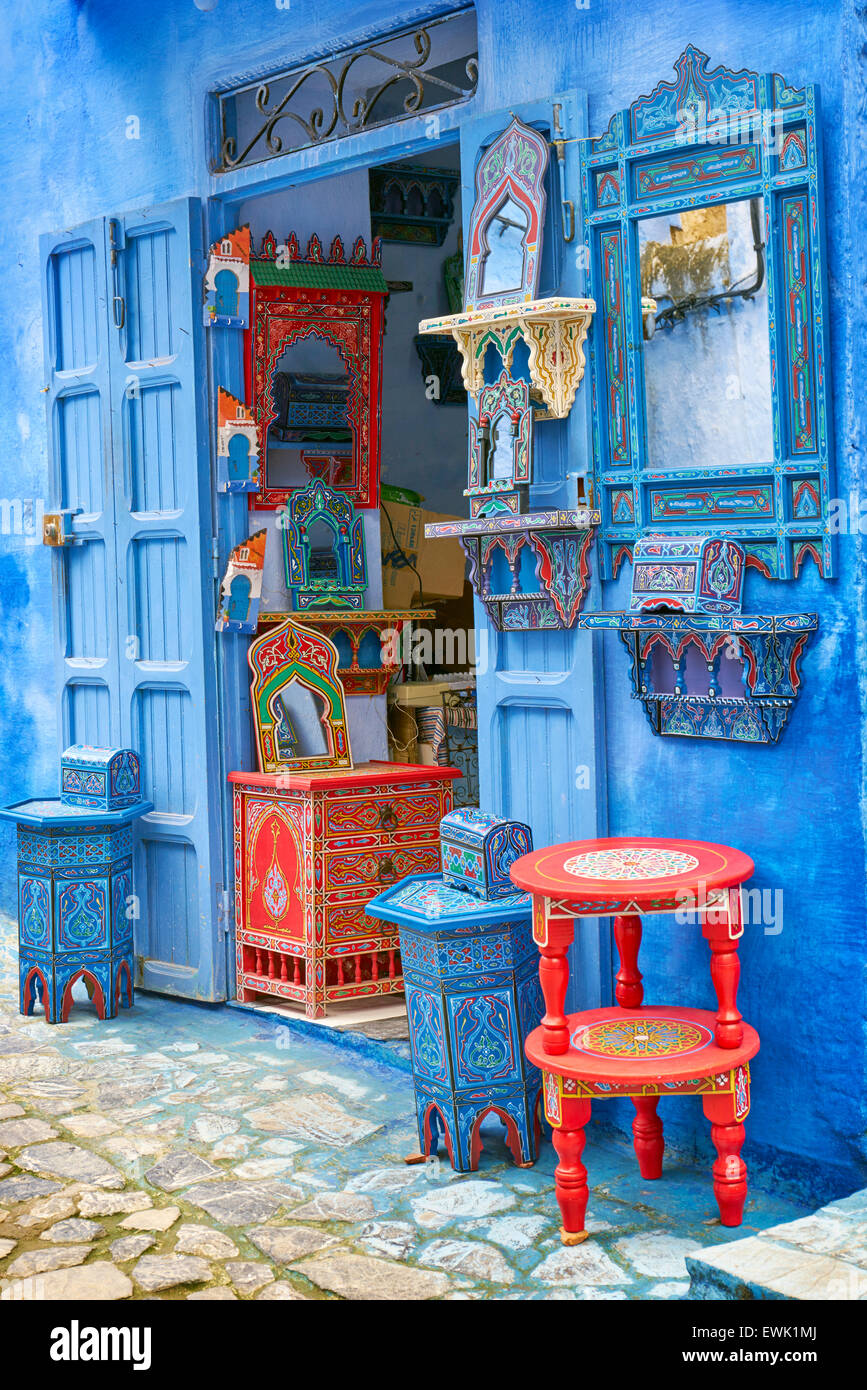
505 236
298 701
508 216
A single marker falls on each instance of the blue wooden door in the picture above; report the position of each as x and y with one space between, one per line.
128 430
540 749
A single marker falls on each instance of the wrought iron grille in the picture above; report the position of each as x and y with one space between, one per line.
415 71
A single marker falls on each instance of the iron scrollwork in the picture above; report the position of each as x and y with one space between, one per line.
343 112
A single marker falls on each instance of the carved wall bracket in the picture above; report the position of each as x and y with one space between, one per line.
769 648
541 556
554 331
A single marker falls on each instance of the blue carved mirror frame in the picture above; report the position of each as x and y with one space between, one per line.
710 137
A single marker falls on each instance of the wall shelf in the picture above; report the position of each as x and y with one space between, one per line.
556 544
554 331
769 648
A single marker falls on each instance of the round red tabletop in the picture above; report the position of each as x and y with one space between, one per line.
629 873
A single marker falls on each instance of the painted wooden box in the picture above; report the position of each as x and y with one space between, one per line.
472 997
311 850
687 574
76 904
104 779
478 849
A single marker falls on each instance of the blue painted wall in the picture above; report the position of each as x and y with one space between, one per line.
74 72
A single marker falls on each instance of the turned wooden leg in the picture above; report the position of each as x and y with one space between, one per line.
729 1169
628 990
647 1136
725 970
570 1175
554 979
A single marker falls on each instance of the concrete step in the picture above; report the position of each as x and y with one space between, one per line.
823 1256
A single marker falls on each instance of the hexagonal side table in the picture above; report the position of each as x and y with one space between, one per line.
472 997
74 884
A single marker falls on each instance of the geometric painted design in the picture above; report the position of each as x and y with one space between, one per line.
642 1039
665 151
74 887
618 864
484 1037
81 916
472 997
33 912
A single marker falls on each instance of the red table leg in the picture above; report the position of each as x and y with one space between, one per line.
647 1136
570 1175
629 990
729 1169
554 979
725 970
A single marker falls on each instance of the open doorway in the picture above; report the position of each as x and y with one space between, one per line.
414 206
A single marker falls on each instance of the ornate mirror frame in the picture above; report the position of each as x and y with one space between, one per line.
307 506
341 300
488 495
713 136
297 654
513 166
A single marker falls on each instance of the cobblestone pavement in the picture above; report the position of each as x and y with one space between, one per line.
186 1152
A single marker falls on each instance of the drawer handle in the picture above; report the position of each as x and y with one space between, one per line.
387 818
386 872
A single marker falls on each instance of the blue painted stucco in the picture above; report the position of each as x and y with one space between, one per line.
72 76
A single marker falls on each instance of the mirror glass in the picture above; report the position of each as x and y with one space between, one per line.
321 540
298 728
310 432
501 451
707 368
504 262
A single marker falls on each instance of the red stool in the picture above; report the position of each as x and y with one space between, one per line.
631 1050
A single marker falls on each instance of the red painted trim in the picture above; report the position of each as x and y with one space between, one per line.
98 996
368 775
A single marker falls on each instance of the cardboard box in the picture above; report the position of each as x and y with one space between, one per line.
441 564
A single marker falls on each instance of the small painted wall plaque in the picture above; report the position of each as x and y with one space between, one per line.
241 589
227 281
237 446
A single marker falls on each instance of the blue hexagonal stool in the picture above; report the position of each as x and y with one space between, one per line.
470 969
74 887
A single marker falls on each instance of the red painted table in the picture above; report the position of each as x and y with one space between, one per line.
632 1050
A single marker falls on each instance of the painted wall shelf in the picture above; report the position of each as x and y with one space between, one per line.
554 331
439 358
374 662
769 647
411 203
555 543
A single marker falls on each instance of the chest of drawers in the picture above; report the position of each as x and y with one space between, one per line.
311 850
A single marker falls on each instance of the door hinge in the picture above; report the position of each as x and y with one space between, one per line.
215 556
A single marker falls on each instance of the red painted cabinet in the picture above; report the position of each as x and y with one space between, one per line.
310 852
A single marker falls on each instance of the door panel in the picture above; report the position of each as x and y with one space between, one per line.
74 288
539 740
167 669
128 430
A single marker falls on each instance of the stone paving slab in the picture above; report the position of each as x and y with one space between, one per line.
178 1153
